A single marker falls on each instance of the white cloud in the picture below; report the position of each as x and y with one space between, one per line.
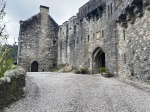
60 10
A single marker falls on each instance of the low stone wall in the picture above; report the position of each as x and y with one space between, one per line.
12 86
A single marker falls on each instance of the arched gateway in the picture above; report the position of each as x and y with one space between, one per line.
98 59
34 67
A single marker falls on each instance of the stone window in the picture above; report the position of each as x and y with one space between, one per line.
74 29
74 43
81 38
102 33
117 2
108 11
54 42
125 58
111 9
93 36
124 35
81 21
98 35
67 30
88 38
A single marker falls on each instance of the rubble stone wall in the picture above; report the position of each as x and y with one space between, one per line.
38 41
119 28
104 33
12 86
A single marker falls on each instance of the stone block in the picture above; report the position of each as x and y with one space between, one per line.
9 73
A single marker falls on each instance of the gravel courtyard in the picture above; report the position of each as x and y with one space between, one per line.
67 92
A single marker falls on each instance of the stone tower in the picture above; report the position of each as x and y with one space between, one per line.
38 42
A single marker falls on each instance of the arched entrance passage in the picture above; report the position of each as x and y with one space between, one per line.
98 59
34 67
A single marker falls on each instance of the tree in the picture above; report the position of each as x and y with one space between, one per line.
5 61
13 51
2 24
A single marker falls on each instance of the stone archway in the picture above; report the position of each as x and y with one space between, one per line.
34 67
98 60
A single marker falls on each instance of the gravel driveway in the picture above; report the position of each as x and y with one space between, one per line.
67 92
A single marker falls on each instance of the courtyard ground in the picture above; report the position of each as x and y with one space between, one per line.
68 92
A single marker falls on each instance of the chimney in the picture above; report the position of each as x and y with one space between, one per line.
44 9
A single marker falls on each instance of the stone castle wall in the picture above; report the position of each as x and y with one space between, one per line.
104 33
134 42
12 86
118 28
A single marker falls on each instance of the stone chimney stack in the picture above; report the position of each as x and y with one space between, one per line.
44 9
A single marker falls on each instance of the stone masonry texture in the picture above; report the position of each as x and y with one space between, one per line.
12 86
38 41
114 34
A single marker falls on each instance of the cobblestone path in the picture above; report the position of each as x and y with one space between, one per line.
67 92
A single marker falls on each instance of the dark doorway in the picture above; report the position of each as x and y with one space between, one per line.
98 59
101 60
34 67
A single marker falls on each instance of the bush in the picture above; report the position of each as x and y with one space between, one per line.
5 65
103 70
54 69
82 70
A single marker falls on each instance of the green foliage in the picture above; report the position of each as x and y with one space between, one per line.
103 70
13 51
54 69
6 64
82 69
8 53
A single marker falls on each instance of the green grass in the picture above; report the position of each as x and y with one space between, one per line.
103 70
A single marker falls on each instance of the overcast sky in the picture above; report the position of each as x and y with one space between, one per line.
60 11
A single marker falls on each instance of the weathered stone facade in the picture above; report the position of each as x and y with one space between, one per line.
134 41
108 33
105 33
38 42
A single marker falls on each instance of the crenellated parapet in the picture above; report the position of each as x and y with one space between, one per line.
135 9
91 9
132 36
